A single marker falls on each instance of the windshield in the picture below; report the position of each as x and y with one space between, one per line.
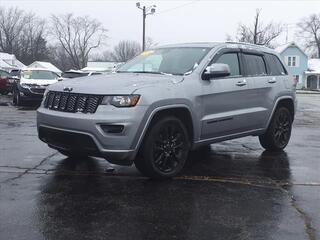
39 74
176 61
15 73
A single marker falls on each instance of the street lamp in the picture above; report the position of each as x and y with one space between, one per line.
145 11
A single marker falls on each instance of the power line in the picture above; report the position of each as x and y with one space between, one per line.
177 7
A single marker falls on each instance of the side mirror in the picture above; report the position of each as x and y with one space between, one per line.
60 79
216 70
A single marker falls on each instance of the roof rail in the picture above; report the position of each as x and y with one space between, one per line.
246 43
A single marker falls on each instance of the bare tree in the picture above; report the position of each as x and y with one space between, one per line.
78 36
32 42
259 33
22 34
125 50
11 26
150 43
59 57
309 30
105 56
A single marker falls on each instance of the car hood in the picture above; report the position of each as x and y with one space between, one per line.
38 81
117 83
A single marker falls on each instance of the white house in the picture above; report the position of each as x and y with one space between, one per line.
313 74
46 65
9 62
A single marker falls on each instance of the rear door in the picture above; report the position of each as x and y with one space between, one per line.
226 101
263 69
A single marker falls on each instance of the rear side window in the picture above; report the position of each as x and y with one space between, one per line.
275 65
232 60
255 65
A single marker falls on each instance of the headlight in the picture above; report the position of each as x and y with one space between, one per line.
121 101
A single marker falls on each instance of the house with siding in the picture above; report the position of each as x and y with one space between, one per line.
46 65
297 62
313 74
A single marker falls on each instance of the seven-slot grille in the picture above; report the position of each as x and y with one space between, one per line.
72 102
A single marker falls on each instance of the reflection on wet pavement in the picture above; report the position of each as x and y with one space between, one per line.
229 190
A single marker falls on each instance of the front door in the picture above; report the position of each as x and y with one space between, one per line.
227 100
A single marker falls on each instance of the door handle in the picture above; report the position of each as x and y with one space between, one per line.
273 80
241 83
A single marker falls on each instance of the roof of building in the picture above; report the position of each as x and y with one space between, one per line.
313 66
281 48
35 69
9 61
100 66
46 65
96 69
3 64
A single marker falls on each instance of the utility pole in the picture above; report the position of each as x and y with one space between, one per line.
145 12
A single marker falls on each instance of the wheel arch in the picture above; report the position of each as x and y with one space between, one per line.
285 101
180 111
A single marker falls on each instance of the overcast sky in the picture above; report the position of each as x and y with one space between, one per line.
175 21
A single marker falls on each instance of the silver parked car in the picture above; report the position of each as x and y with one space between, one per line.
168 101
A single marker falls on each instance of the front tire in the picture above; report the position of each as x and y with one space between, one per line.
278 133
4 92
16 99
165 149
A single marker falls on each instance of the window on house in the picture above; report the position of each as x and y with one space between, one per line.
293 61
289 61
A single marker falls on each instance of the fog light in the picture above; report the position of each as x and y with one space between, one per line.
112 128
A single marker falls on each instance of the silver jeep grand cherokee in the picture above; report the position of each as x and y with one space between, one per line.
168 101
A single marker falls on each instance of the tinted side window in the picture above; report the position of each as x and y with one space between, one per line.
276 67
255 65
232 60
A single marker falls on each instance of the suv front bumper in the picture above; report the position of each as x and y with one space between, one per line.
86 133
31 94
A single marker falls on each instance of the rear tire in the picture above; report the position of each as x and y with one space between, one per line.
165 149
278 133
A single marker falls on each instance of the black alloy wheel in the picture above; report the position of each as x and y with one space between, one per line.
168 147
282 129
278 133
165 149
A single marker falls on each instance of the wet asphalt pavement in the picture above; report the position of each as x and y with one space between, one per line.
231 190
